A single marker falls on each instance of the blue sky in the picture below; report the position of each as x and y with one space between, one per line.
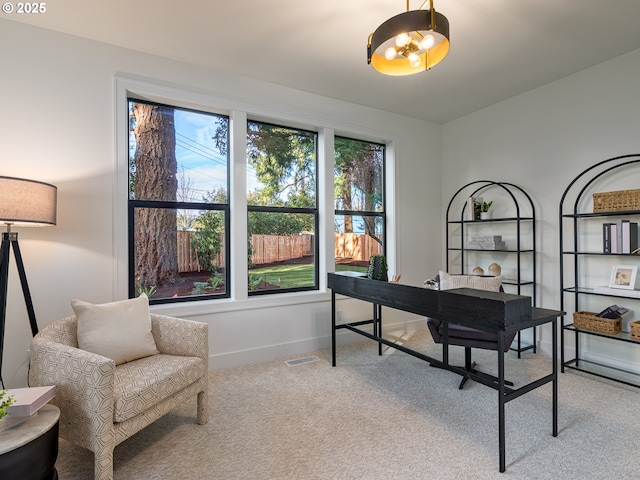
205 168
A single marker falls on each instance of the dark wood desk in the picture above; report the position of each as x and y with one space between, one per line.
494 312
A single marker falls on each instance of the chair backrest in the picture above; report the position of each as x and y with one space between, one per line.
462 335
448 281
63 331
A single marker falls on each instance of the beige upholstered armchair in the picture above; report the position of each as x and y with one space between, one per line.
102 404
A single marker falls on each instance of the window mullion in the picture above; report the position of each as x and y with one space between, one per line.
326 203
238 202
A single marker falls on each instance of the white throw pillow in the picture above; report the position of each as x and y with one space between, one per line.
118 330
447 282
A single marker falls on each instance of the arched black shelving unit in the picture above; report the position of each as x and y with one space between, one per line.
460 224
578 257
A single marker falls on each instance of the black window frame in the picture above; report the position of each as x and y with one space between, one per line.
133 204
368 213
308 211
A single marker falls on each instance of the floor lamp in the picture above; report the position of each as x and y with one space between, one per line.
23 203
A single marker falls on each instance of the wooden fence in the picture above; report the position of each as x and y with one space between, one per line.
355 247
276 248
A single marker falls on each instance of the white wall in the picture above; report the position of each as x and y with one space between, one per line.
540 141
57 125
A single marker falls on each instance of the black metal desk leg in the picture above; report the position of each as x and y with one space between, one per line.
501 402
445 343
333 328
378 320
577 347
554 326
561 343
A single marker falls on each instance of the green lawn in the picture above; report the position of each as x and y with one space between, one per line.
291 276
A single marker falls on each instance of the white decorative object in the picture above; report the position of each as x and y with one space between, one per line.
478 271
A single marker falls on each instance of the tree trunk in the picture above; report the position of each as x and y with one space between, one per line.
346 197
369 181
156 246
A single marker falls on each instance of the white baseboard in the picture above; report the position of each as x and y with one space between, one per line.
345 337
304 346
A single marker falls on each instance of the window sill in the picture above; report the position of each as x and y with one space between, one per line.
205 307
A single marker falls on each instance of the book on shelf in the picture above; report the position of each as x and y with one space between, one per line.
606 237
27 401
473 208
485 238
629 237
620 237
487 245
620 292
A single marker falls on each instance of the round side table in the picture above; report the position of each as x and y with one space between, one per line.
29 450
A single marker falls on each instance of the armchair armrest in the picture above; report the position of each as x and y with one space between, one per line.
84 388
177 336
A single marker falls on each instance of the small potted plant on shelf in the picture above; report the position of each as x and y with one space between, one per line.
484 210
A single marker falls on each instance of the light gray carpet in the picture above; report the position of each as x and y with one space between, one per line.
382 417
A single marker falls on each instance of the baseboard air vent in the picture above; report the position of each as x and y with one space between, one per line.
301 361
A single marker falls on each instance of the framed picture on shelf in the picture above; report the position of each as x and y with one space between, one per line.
623 276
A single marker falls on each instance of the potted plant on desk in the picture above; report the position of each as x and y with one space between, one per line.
378 268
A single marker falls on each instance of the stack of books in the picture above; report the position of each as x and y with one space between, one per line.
486 242
26 403
620 237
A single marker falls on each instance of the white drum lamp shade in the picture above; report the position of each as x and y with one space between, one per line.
27 203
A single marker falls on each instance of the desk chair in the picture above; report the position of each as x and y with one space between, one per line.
468 337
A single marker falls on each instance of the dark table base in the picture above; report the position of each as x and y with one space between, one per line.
33 461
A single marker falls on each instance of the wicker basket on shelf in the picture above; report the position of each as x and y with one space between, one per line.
634 329
591 321
621 200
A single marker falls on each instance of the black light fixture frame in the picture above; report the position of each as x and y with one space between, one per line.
10 239
413 20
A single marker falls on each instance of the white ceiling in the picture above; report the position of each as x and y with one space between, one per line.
499 48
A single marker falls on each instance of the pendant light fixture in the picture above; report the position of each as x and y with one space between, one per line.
411 42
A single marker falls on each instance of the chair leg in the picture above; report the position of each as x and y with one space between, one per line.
469 366
203 407
103 463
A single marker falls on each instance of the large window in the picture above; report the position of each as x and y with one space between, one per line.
359 203
282 209
178 203
222 207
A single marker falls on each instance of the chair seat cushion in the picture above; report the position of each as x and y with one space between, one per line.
467 336
141 384
460 331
